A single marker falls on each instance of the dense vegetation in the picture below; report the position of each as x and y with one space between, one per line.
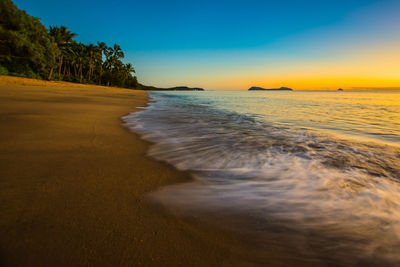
29 49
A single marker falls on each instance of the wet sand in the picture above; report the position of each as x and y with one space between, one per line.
73 184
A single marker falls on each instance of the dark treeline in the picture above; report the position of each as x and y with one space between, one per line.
29 49
176 88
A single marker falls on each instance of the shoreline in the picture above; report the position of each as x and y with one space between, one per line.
74 184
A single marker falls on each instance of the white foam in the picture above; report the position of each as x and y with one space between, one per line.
306 182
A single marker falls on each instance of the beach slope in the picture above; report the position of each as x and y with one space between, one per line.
74 182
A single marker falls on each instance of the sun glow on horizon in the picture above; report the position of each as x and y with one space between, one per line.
377 66
357 52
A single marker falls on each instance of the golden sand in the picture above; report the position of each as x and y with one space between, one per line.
73 183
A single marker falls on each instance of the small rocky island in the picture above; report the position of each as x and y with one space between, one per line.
254 88
340 89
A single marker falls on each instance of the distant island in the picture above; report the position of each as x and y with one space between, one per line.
340 89
177 88
254 88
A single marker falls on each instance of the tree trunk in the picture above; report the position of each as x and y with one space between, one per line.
65 69
59 65
101 72
89 72
80 74
50 74
90 66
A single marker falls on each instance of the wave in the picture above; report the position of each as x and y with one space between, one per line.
340 197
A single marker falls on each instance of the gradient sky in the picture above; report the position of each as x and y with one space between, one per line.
303 44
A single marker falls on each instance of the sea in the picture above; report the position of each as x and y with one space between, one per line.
311 175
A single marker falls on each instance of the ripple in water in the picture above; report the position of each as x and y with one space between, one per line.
315 196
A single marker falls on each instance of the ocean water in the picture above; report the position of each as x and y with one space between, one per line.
313 175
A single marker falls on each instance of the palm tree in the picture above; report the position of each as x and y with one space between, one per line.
102 48
116 55
91 49
62 37
128 71
118 52
29 48
81 56
113 54
68 60
130 68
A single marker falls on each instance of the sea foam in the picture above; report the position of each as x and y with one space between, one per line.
296 186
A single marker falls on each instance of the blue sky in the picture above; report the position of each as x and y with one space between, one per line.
211 43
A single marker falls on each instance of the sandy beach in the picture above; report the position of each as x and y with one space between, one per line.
74 182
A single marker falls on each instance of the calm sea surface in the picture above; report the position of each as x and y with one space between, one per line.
313 175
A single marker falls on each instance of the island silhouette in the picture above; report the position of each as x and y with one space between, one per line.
255 88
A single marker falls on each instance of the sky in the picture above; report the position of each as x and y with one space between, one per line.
233 45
